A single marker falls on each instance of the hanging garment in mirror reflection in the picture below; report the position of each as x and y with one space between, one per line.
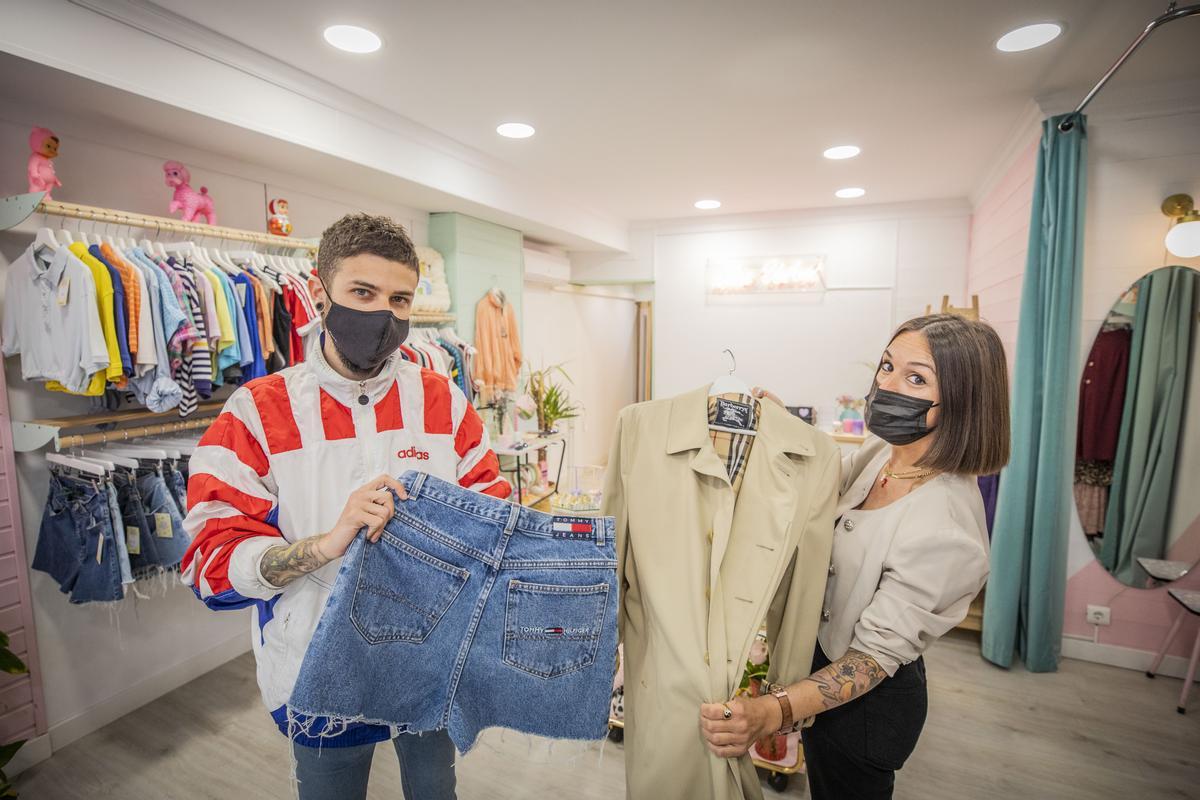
1139 428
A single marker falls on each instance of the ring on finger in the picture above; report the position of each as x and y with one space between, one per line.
728 712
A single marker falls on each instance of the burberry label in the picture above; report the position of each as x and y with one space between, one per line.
732 414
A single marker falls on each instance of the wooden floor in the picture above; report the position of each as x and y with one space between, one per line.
1085 732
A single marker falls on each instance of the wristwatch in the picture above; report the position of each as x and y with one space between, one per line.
785 706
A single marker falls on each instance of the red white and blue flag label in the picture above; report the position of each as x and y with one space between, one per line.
582 528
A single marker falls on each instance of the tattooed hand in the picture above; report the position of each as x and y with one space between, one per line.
370 506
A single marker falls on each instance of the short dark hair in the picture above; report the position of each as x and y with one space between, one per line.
354 234
972 434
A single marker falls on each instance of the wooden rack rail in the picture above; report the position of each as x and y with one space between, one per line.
18 208
36 434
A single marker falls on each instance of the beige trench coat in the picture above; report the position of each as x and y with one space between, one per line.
699 574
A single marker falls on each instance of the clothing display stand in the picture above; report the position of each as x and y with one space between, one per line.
522 454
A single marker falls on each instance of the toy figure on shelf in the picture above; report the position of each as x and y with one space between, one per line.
193 204
44 145
277 219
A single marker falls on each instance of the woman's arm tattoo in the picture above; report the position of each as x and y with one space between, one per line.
851 676
285 563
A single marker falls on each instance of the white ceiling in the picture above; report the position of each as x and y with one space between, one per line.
644 107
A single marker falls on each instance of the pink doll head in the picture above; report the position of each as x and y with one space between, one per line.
176 174
43 142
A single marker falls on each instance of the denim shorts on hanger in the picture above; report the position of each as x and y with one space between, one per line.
141 542
470 612
163 517
76 544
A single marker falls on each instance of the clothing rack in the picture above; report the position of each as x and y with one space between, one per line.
18 208
36 434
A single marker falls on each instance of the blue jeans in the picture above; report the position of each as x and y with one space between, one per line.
469 612
114 514
75 544
164 518
341 773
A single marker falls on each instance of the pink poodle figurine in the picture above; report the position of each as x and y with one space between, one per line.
44 145
194 204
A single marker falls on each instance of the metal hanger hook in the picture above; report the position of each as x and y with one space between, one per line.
732 359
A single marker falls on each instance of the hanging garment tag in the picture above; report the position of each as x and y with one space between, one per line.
162 526
64 288
133 541
578 528
100 550
732 414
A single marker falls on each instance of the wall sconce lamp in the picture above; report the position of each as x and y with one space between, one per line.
1183 240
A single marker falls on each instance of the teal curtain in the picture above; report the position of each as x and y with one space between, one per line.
1023 608
1139 501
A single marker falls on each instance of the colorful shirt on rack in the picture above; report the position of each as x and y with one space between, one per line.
120 316
135 294
105 307
195 375
256 368
51 317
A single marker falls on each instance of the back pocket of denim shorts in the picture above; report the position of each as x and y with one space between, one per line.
551 630
402 592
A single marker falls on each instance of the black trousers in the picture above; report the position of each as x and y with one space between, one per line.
853 751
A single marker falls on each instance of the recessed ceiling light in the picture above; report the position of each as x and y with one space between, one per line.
842 151
515 130
352 39
708 205
1029 37
850 192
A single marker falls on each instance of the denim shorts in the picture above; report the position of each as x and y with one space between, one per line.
470 612
177 484
76 545
163 516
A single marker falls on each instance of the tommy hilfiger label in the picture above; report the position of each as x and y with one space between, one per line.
527 630
732 414
578 528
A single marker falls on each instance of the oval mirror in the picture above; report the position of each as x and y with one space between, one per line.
1137 453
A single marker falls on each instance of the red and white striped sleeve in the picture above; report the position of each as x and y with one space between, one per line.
232 509
478 466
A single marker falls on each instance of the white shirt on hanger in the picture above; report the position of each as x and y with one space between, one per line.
51 318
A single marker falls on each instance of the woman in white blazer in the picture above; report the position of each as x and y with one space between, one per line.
910 553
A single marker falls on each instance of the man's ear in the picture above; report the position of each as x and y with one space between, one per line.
317 290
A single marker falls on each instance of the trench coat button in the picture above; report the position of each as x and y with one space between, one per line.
848 524
1089 380
832 569
706 657
825 615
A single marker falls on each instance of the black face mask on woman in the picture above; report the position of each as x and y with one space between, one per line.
364 339
897 418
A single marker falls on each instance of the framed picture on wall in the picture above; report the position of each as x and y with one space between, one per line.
806 413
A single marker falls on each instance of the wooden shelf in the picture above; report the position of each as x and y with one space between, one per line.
35 434
974 620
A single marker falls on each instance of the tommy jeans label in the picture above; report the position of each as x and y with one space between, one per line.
412 452
580 528
732 414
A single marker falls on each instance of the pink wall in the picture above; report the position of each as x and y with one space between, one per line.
22 708
999 241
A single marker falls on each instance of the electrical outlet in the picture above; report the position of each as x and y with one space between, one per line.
1099 615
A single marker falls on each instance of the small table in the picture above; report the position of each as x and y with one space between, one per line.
1190 600
532 444
1165 571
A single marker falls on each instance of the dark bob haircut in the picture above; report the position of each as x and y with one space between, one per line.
972 434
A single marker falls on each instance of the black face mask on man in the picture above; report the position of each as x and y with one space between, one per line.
897 418
364 339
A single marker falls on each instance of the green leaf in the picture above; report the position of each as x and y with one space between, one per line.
11 664
3 639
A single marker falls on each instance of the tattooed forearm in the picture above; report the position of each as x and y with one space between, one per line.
851 676
283 564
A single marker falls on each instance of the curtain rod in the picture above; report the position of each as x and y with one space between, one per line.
168 224
1170 15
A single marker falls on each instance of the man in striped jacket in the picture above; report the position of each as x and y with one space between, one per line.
299 462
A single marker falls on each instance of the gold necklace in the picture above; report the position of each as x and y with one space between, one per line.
914 474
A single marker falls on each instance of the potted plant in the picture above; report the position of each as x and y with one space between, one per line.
550 403
13 666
